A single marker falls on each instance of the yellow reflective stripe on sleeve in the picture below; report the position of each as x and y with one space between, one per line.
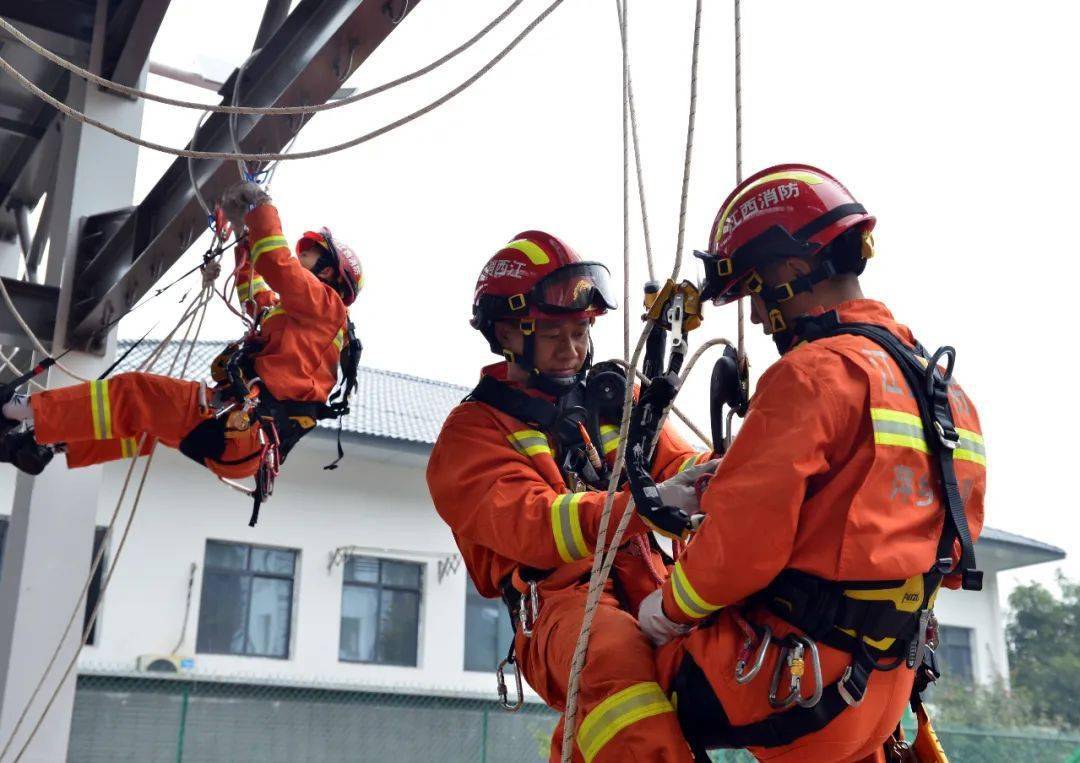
898 428
264 245
273 313
101 410
128 446
687 598
250 288
609 438
536 255
566 527
688 463
971 447
529 442
339 340
636 703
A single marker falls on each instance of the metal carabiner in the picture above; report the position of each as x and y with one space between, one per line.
795 658
500 676
529 609
743 676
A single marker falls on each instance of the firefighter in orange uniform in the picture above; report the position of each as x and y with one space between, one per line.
519 473
300 308
853 491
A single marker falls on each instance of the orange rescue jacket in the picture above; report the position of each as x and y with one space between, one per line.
302 326
829 475
495 482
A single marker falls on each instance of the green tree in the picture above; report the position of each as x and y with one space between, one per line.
1044 650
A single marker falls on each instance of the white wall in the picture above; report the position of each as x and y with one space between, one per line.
376 499
381 505
980 611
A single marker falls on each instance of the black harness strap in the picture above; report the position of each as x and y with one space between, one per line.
819 608
930 388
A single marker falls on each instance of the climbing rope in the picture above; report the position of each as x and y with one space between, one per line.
738 159
604 555
266 157
198 308
134 92
38 346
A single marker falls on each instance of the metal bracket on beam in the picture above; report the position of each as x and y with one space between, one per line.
37 304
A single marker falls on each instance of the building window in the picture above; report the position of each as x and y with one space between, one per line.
380 611
487 631
954 650
246 605
94 592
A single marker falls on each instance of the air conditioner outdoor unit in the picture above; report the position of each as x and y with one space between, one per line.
164 663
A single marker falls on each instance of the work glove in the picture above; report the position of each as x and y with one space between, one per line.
654 623
681 491
239 199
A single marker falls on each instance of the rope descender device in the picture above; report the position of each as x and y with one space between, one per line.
674 310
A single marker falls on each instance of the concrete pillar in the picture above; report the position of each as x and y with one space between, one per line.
48 550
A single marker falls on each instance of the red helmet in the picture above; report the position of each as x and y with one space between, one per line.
538 276
788 210
338 256
535 276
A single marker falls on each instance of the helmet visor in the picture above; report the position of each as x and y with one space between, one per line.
575 288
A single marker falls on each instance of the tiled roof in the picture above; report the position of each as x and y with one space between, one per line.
386 403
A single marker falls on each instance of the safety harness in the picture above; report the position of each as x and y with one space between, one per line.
242 401
882 624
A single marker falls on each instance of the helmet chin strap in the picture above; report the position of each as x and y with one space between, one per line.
556 386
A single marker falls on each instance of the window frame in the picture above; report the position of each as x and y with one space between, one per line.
950 668
378 586
501 624
248 572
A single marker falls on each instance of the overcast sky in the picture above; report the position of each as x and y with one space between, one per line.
952 122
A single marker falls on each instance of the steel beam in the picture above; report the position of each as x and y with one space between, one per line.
274 16
37 305
64 17
22 155
21 128
320 44
133 38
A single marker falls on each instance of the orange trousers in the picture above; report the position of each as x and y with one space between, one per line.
857 734
102 421
623 714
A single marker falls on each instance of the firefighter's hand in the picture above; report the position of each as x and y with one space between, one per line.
211 269
239 199
654 623
679 491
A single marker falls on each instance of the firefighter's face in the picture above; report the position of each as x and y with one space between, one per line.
561 345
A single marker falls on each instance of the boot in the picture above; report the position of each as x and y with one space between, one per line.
23 451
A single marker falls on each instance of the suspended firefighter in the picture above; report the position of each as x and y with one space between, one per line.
520 473
270 389
797 620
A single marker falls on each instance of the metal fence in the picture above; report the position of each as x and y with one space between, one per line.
149 719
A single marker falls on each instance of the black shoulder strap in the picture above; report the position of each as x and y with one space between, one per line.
513 402
930 388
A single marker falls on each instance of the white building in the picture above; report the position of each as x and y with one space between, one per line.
348 592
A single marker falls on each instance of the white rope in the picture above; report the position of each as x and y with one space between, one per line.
133 92
689 142
602 568
622 14
7 361
147 365
266 157
738 158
